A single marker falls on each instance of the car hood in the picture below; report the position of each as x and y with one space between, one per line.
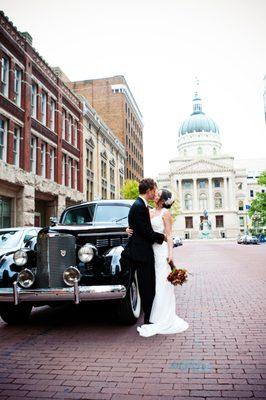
7 250
99 228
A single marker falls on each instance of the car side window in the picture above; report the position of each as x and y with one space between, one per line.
79 215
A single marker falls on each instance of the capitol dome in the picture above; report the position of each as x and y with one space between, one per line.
198 134
198 121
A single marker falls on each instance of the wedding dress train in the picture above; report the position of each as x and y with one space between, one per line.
163 314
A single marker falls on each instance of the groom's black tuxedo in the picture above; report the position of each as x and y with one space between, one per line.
139 251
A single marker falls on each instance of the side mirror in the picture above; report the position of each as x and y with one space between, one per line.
53 221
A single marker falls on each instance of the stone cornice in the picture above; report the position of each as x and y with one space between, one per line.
202 166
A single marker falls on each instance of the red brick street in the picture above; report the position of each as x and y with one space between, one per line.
80 353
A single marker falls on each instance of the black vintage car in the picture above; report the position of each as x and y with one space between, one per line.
77 260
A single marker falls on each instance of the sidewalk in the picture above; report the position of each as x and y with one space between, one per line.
66 354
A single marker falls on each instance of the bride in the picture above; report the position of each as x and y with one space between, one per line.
163 316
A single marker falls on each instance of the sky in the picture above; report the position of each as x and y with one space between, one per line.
160 46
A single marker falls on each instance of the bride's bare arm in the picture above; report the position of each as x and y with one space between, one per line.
168 223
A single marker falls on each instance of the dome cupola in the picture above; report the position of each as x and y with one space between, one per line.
198 134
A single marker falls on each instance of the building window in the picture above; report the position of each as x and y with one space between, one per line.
240 205
5 212
199 150
89 159
33 151
112 175
70 129
251 193
52 164
214 151
43 160
43 108
89 190
203 201
189 222
218 203
75 169
64 170
104 193
188 202
3 140
52 115
75 139
17 86
187 184
241 221
70 172
217 183
63 124
34 100
103 169
16 145
202 184
5 76
121 180
219 221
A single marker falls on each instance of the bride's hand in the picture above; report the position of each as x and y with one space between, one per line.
170 260
129 231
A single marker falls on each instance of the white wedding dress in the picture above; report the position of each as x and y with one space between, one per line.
163 314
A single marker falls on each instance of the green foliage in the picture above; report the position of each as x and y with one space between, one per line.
130 189
257 210
262 179
175 209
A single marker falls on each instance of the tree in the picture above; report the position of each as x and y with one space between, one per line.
257 210
130 189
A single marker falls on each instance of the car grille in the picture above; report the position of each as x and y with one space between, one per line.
55 252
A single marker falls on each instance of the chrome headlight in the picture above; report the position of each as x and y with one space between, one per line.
26 278
70 275
20 258
86 253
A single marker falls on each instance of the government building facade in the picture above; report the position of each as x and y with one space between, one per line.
214 190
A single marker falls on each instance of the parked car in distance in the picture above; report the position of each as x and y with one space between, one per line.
248 239
78 260
13 239
177 241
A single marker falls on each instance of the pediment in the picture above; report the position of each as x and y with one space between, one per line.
203 166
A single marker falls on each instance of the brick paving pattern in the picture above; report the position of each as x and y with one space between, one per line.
80 353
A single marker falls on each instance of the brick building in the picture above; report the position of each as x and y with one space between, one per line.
114 102
41 135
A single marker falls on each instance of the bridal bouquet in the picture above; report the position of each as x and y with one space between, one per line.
177 276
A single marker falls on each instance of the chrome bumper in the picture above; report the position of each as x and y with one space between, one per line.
77 294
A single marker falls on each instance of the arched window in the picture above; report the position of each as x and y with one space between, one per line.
218 202
214 151
199 150
185 152
203 201
240 205
188 201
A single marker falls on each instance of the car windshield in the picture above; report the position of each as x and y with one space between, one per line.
117 213
100 214
9 239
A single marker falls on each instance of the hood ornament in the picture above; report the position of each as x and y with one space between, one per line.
63 253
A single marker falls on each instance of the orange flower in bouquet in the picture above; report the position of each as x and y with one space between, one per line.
177 276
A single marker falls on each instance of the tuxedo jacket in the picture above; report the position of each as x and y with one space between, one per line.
139 245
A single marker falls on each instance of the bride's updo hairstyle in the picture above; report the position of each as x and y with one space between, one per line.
167 198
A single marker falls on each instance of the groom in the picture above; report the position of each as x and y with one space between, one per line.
139 246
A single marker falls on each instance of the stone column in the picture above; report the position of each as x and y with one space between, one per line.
180 194
210 194
225 194
231 192
28 199
195 195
